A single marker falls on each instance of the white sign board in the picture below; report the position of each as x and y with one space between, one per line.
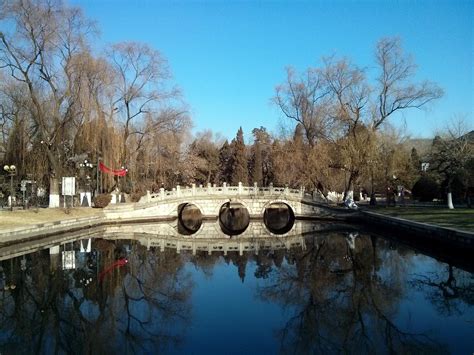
69 260
69 186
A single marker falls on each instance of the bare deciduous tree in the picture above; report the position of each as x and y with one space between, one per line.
143 93
304 100
338 104
395 90
38 51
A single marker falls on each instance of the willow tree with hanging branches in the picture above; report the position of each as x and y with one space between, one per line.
38 50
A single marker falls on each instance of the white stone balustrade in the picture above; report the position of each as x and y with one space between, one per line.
238 190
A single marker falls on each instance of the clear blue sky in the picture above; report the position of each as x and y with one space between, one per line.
228 56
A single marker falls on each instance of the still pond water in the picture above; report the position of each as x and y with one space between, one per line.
133 289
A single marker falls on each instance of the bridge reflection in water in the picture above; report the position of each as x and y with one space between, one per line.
234 218
147 288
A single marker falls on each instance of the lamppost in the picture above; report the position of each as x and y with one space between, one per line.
121 185
11 170
88 164
373 200
87 181
97 191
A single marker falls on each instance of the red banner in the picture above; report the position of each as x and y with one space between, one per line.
107 170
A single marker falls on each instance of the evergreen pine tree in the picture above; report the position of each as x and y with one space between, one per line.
239 160
225 163
415 159
261 157
257 173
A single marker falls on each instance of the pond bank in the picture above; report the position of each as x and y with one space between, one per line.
457 237
20 226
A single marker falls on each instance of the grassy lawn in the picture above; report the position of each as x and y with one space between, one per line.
25 218
460 218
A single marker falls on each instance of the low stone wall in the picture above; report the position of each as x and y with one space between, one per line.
14 235
444 234
43 240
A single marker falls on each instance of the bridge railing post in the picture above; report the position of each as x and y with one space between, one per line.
209 188
224 187
286 191
270 188
178 191
193 189
255 188
302 188
240 190
148 196
162 193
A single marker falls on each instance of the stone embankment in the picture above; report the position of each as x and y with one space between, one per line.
209 200
443 234
28 232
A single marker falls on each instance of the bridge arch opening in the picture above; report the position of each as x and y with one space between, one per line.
189 219
234 218
279 218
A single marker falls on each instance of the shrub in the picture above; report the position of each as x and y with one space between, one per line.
102 200
425 189
135 196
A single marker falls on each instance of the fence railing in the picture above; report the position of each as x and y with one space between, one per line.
239 190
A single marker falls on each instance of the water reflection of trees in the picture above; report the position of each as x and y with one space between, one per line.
265 261
342 293
141 306
448 289
343 299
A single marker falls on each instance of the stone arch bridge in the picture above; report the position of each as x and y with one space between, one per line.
209 200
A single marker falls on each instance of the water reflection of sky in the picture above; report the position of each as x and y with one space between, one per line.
228 317
330 294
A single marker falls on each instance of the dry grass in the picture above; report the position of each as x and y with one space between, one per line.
20 218
459 218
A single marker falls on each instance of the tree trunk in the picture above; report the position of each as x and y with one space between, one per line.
450 195
53 192
349 189
373 200
450 200
373 240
